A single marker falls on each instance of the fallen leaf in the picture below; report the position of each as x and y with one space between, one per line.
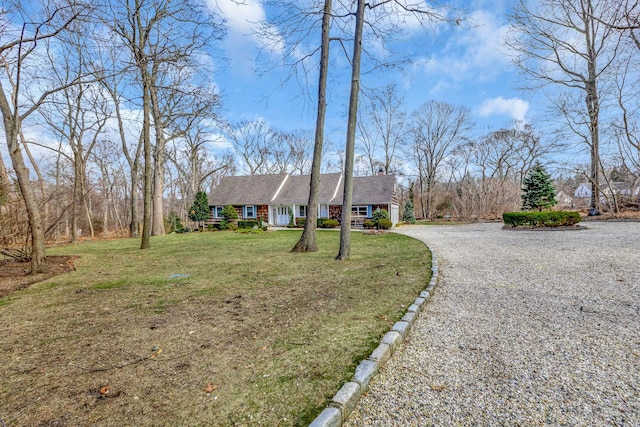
209 388
156 353
264 348
105 389
436 387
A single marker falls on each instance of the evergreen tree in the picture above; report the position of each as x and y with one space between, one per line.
199 211
539 192
409 214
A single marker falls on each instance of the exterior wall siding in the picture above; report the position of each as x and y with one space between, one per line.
263 211
335 212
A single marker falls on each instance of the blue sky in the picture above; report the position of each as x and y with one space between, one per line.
462 65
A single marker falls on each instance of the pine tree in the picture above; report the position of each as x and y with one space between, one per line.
409 214
199 211
539 192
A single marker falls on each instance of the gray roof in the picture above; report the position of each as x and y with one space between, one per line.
246 190
297 187
374 189
294 189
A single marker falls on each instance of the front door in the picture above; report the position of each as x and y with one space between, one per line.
281 214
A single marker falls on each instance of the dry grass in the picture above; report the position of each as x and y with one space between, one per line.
255 335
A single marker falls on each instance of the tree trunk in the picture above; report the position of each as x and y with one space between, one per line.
308 241
12 126
45 202
77 197
345 226
148 170
157 228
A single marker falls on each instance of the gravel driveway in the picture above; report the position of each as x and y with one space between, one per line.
526 328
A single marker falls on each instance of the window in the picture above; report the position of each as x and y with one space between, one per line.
250 211
217 211
302 211
359 210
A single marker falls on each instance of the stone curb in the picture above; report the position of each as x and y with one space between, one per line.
345 400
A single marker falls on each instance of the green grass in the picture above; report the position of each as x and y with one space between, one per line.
276 333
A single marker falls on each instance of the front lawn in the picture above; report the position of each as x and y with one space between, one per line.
201 329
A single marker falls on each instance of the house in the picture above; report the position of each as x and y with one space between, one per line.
583 191
275 198
564 200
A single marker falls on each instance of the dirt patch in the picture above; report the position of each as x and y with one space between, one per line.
15 275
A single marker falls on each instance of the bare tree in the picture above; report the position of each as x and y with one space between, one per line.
161 38
436 129
308 240
253 143
17 48
559 44
382 129
384 17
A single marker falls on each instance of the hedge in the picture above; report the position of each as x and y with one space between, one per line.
327 223
541 219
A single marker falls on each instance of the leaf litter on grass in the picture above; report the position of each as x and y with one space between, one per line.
273 343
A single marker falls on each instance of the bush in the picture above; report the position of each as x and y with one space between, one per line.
384 224
541 219
300 222
248 223
368 223
379 214
229 212
213 227
327 223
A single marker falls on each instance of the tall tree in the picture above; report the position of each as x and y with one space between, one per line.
17 47
560 44
161 37
385 18
345 222
308 240
436 129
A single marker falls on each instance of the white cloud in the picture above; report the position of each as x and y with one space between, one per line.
515 108
244 20
473 51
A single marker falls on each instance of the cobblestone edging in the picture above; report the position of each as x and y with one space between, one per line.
346 398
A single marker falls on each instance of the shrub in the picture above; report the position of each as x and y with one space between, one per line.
384 224
300 222
541 219
229 213
212 227
248 223
368 223
379 214
327 223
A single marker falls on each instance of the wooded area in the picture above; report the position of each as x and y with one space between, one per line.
116 99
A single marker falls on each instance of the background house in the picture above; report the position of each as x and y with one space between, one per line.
275 198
